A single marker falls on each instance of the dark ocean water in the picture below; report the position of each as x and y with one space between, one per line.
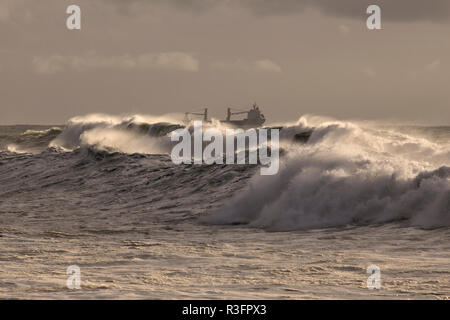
101 192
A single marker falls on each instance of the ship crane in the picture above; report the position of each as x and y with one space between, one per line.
254 117
204 114
229 113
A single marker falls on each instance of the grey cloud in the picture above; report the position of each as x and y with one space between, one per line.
263 65
392 10
8 8
165 61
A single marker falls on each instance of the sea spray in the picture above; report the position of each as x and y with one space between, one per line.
347 175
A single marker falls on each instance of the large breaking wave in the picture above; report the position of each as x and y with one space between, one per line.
128 134
348 173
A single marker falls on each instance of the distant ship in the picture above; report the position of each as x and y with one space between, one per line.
254 117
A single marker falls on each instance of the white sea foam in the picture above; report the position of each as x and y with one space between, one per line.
348 174
131 221
127 134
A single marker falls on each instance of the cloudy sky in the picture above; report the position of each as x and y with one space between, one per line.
164 56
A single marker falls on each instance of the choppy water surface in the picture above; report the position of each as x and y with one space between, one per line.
102 193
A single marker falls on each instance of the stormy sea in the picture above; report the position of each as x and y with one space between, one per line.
102 193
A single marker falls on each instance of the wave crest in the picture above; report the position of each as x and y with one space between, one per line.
348 174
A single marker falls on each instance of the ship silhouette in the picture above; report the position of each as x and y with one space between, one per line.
254 118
